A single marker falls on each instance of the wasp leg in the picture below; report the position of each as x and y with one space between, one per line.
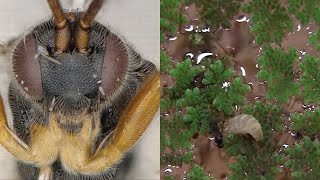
11 142
132 123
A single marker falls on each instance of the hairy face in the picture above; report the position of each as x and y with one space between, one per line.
70 82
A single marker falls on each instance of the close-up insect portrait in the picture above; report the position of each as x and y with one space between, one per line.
80 95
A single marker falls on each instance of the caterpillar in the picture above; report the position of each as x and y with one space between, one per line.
246 124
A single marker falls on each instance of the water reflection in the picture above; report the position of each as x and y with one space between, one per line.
190 55
199 57
242 18
299 27
173 38
168 170
189 28
243 71
203 55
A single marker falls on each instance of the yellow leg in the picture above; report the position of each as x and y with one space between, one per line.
133 122
10 142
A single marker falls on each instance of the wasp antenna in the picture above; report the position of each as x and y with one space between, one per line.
62 36
82 35
90 14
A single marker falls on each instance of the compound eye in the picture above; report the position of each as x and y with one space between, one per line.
115 65
27 67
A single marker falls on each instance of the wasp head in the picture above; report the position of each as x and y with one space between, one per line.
70 63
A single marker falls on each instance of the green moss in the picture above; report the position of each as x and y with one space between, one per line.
305 10
168 177
184 74
269 116
192 105
198 104
170 19
270 20
314 40
307 123
303 159
197 173
253 162
217 13
310 79
165 62
276 67
224 90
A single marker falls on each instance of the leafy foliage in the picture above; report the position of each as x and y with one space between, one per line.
268 115
305 10
277 70
221 93
175 142
303 159
169 19
251 163
189 106
263 161
194 106
310 79
173 127
308 122
216 13
197 112
197 173
184 74
165 61
314 40
269 20
169 177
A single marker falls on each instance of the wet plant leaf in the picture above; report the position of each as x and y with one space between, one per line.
308 122
270 20
196 174
184 74
165 62
310 79
276 67
217 13
303 159
305 10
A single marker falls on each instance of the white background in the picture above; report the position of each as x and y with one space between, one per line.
137 21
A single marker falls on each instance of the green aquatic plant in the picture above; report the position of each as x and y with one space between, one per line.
224 90
222 93
196 173
165 62
197 113
213 90
183 74
270 20
169 177
305 10
170 19
176 143
252 162
195 106
276 68
269 116
314 40
216 13
310 79
303 159
307 123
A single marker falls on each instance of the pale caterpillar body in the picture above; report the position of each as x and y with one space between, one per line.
246 124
